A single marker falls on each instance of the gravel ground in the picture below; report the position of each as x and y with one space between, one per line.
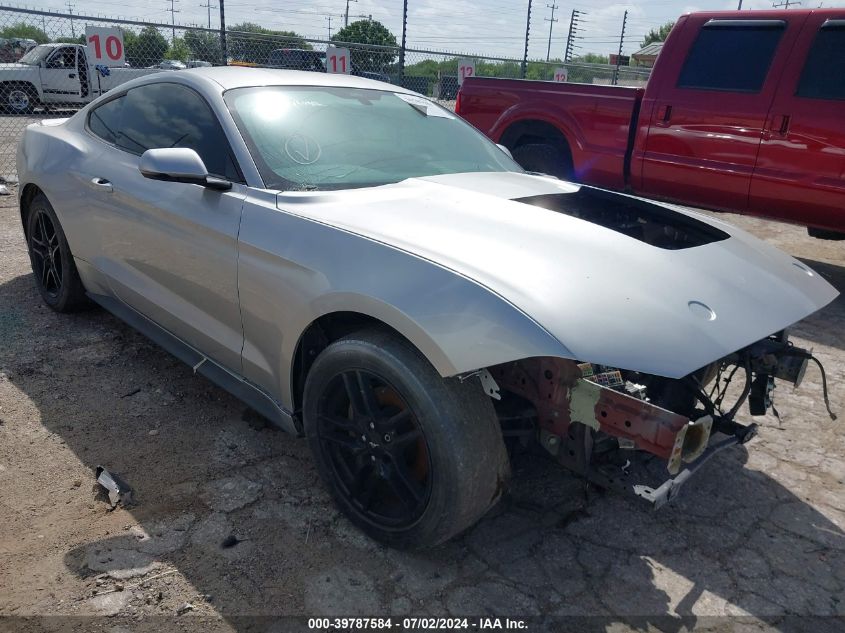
757 534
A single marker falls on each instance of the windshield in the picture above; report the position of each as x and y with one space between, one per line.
34 57
321 138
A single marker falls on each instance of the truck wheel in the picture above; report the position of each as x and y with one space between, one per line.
19 99
411 458
545 159
55 273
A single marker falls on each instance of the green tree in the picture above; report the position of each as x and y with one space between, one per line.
370 32
146 48
248 42
592 58
25 31
658 35
178 50
203 45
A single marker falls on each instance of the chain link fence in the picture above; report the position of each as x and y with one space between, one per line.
50 71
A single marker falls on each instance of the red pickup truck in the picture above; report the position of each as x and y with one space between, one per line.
743 112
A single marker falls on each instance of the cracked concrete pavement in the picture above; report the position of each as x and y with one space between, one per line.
758 534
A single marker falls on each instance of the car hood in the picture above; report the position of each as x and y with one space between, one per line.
607 297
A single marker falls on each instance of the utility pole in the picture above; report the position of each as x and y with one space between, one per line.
785 4
527 32
346 15
70 12
404 41
223 49
573 34
173 11
551 22
329 18
619 54
209 6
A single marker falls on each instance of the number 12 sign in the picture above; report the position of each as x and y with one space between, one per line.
105 45
466 68
337 60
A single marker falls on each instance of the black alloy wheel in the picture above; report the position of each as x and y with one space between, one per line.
412 458
376 448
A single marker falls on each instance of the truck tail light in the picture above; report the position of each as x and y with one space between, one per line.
458 103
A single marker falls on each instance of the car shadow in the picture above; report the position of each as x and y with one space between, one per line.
204 469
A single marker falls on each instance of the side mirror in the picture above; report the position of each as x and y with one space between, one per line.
504 149
179 164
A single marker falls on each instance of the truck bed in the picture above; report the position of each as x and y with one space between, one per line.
597 119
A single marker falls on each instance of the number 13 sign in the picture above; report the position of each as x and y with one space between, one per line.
337 60
105 45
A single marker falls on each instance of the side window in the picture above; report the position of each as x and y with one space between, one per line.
169 115
732 56
104 120
63 58
823 76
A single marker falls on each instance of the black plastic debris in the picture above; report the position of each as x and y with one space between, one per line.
118 490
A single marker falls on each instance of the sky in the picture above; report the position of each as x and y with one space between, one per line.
481 27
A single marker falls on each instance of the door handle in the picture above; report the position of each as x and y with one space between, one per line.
72 75
664 114
101 184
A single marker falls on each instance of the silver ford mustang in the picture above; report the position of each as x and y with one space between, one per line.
360 265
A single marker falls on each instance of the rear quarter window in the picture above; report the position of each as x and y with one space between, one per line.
823 76
104 120
731 57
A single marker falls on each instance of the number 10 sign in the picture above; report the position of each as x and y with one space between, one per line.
337 60
105 45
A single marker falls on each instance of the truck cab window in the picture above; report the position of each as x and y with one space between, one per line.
823 76
63 58
731 55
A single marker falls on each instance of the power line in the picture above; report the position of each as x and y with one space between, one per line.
551 22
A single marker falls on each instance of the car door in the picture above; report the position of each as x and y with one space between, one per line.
60 80
168 249
800 173
708 117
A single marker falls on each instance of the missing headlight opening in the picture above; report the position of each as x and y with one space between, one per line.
612 425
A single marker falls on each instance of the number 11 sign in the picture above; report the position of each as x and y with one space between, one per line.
337 60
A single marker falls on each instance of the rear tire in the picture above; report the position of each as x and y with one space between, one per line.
544 158
411 458
52 262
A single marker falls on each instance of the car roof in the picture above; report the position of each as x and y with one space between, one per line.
228 77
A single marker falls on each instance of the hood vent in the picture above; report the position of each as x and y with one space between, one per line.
650 223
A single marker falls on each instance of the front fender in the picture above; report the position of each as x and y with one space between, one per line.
293 270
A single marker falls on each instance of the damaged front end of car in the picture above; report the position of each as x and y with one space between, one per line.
609 425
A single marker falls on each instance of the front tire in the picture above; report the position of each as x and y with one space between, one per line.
52 262
19 99
411 458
